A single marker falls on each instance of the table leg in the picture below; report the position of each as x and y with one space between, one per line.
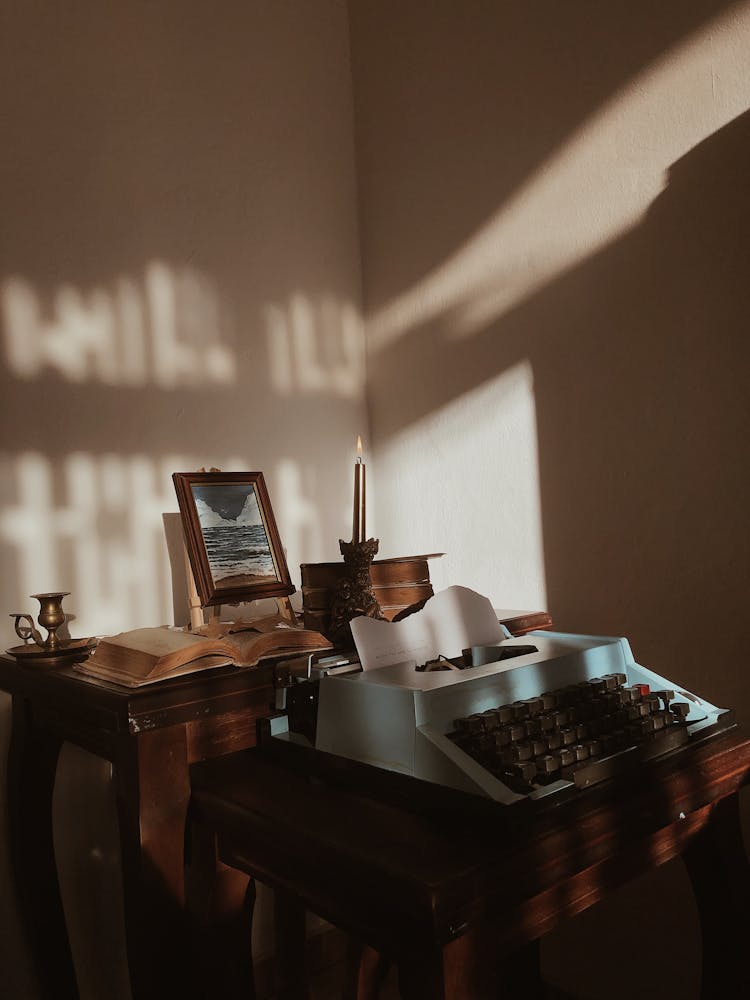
468 967
153 790
32 763
290 967
366 970
454 972
221 902
718 867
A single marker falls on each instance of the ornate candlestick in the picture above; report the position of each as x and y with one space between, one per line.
353 595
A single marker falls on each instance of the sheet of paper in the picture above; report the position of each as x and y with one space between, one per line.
450 622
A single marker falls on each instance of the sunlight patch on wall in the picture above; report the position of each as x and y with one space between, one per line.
465 481
168 329
595 188
316 347
92 526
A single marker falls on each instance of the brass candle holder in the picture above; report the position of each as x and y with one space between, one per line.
53 649
51 616
353 595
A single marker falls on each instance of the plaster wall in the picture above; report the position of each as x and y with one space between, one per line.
179 287
555 219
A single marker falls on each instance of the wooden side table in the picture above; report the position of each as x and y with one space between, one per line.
446 887
151 736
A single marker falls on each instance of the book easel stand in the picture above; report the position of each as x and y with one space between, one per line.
210 615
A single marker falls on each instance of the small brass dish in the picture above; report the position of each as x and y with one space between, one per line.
37 656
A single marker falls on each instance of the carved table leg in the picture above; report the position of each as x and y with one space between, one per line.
718 868
32 763
153 791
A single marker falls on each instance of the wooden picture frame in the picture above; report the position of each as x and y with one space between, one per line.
231 537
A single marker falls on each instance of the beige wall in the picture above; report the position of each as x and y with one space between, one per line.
555 220
554 217
179 286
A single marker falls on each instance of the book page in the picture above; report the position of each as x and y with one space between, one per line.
156 641
450 622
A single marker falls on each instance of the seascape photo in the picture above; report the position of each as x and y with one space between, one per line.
236 542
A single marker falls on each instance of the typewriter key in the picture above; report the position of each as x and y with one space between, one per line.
491 720
524 771
680 709
664 697
549 764
533 727
502 737
546 723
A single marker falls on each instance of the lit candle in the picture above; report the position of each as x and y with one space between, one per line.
358 521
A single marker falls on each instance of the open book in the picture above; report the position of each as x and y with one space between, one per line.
146 655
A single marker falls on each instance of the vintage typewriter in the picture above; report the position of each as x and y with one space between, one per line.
529 719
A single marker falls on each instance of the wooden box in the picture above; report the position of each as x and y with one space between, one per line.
396 583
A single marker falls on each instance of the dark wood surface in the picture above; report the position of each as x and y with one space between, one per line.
439 889
151 736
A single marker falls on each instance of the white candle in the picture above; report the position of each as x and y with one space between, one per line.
360 505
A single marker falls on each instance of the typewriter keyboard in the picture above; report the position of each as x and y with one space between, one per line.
582 733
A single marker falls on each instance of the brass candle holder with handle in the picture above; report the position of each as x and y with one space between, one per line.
51 617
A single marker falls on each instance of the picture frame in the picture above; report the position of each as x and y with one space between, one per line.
231 537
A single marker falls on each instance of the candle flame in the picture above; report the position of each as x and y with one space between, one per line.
359 446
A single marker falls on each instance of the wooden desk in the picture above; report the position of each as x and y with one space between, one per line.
151 736
440 885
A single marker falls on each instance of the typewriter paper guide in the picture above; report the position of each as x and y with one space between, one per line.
450 622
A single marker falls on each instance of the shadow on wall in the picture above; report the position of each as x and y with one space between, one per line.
637 339
477 100
642 415
638 344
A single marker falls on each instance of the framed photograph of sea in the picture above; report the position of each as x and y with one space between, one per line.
231 537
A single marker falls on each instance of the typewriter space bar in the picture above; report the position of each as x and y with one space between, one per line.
627 760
